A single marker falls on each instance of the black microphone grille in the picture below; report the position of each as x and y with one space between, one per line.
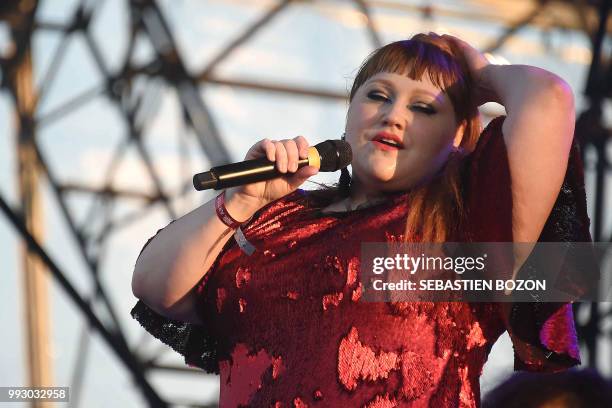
335 154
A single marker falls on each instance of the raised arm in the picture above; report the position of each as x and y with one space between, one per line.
538 132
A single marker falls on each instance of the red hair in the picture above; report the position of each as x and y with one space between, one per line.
436 208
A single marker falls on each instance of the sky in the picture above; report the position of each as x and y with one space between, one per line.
318 45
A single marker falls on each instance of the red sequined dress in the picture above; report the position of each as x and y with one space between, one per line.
284 326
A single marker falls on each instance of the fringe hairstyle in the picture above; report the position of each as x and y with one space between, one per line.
436 208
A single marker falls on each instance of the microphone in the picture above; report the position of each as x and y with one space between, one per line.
330 155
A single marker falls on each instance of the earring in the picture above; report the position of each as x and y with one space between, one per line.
343 137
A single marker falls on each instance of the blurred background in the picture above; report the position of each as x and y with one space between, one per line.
108 108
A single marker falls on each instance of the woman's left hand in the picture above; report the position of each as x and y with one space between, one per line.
478 65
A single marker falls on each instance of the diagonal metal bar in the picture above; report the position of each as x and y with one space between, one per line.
96 54
112 340
174 69
70 105
185 170
152 69
79 19
146 158
278 88
112 191
365 9
595 77
247 34
51 71
128 115
81 245
107 187
112 169
78 371
50 26
515 28
131 42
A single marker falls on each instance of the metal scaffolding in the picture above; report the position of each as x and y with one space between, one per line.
137 106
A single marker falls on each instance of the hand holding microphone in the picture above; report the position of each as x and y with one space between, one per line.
273 169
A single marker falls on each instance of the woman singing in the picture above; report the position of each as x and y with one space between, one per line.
277 310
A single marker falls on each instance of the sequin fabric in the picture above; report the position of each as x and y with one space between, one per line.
285 327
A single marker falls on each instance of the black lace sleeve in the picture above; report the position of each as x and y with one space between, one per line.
567 222
543 334
190 340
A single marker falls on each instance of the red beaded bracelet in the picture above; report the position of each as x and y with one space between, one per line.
224 215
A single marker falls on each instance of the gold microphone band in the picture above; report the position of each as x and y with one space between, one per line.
313 157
